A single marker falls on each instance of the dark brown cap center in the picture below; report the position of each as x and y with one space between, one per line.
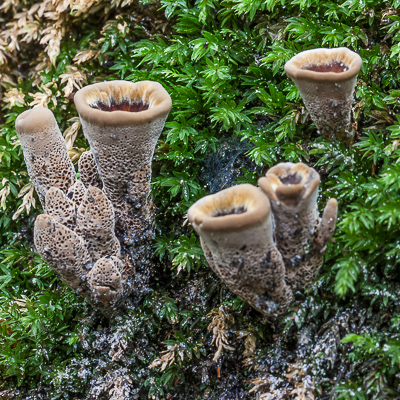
292 179
336 67
122 106
239 210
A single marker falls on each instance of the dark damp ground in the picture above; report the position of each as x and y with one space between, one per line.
222 167
123 106
336 67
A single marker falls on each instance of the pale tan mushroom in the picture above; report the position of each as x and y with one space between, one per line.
96 224
122 122
301 237
45 151
88 170
105 282
64 250
237 238
326 79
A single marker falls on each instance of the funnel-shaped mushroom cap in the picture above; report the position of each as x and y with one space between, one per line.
290 184
232 209
45 151
326 79
323 65
121 103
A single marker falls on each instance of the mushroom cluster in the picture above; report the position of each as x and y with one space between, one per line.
97 231
266 243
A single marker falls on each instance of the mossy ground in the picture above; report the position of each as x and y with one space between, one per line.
235 114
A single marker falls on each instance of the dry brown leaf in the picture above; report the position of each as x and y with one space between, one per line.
14 97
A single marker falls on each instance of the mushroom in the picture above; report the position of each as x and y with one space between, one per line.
88 170
78 234
122 122
60 207
96 223
105 281
77 228
236 234
64 250
45 151
301 237
326 79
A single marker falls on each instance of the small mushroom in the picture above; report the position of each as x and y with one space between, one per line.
105 282
122 122
96 223
63 249
301 237
45 151
88 170
326 79
236 233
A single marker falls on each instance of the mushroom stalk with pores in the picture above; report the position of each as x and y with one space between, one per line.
45 151
266 244
326 79
292 190
236 233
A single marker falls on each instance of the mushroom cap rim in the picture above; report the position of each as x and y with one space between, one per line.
295 72
122 118
231 222
290 190
34 120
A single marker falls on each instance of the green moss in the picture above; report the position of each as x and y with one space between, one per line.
222 62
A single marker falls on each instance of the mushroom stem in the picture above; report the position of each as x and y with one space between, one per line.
326 79
237 238
45 151
292 190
